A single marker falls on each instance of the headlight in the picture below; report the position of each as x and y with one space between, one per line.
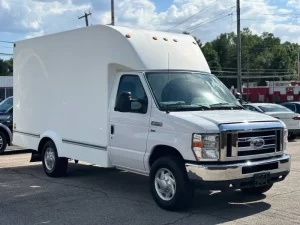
285 140
206 147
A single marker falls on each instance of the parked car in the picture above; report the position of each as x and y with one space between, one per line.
6 123
294 106
290 118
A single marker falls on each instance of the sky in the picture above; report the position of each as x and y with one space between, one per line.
206 19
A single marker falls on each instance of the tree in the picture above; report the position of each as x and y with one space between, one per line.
6 67
264 54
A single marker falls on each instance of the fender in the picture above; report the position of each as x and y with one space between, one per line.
55 138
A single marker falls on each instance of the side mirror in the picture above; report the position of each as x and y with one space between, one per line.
123 103
238 95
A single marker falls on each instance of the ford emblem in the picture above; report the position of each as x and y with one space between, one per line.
257 143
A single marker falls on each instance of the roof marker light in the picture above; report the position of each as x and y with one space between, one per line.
194 43
166 39
128 35
175 40
155 38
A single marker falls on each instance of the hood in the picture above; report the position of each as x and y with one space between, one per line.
225 116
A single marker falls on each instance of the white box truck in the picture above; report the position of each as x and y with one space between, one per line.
146 102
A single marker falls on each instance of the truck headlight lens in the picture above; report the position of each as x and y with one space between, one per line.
285 140
206 147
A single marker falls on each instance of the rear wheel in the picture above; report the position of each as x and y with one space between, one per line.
169 184
3 142
257 190
54 166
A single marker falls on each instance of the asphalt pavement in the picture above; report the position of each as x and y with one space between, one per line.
93 195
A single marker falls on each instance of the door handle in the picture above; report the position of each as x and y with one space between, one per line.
112 129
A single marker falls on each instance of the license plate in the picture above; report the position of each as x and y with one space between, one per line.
262 179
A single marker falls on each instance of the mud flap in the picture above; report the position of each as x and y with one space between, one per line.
36 157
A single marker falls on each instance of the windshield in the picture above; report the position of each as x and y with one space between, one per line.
274 108
187 90
6 104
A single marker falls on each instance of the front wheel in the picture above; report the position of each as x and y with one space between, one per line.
169 184
54 166
257 190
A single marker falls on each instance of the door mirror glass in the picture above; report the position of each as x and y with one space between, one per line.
136 106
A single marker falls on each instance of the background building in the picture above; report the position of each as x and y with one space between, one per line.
6 87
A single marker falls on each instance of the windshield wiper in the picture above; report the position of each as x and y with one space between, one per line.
182 106
231 105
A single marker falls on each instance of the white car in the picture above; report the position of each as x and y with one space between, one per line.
290 118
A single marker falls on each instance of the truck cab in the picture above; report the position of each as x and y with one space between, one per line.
194 129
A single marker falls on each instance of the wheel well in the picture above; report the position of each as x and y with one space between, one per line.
6 135
42 143
163 151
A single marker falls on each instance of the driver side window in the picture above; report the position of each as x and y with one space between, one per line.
138 99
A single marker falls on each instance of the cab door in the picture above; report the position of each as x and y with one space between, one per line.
129 130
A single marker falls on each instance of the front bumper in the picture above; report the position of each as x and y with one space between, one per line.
237 175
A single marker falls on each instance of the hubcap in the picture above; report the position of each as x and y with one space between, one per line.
165 184
49 158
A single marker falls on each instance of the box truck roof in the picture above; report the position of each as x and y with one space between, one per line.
136 49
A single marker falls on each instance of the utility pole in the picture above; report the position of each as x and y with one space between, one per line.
112 13
248 73
239 47
86 18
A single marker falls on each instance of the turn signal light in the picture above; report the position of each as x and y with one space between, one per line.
197 144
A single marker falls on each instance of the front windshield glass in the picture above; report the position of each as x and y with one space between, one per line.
6 104
274 108
190 90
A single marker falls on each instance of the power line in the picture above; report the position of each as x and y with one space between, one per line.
213 17
254 77
193 15
7 42
228 69
211 21
234 72
5 53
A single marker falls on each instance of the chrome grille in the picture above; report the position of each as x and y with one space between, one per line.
243 145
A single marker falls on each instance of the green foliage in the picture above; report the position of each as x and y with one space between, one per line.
6 67
264 55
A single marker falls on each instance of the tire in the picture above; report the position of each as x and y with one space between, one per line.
3 137
257 190
54 166
183 191
291 137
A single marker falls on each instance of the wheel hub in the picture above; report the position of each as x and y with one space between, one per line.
49 158
165 184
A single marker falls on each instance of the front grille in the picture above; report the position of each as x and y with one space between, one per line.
241 145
